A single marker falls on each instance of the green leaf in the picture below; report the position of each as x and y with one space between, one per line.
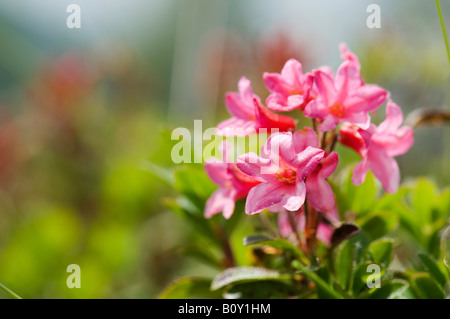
203 255
344 264
194 183
244 274
199 223
188 287
378 224
260 290
362 196
327 291
423 196
445 247
426 287
433 269
278 243
164 174
361 276
391 289
381 251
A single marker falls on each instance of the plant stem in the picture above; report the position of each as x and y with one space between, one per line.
444 31
324 140
333 141
9 291
229 260
314 126
293 224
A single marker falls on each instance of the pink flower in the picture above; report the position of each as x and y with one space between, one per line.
290 89
378 145
320 195
233 184
281 171
249 115
345 98
324 231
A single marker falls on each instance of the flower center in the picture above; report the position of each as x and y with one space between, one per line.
287 175
295 92
337 109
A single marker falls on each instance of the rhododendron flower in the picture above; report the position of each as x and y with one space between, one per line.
378 145
345 98
281 171
290 89
233 183
249 115
323 233
320 195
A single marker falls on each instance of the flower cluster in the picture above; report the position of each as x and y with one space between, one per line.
294 163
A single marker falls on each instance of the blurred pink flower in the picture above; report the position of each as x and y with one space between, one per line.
378 145
345 98
323 233
249 115
290 89
233 184
281 171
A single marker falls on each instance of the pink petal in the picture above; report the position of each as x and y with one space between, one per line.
360 119
303 138
320 194
237 107
292 72
397 144
241 104
246 92
360 172
367 98
222 200
256 166
269 120
325 86
217 171
307 161
394 118
324 233
295 199
348 79
328 124
265 195
328 165
236 127
346 54
294 101
385 168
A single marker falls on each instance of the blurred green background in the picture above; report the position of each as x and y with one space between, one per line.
82 110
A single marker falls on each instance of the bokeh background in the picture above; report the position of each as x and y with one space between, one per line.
82 110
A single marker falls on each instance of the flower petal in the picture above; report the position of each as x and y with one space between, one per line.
295 199
303 138
256 166
385 168
236 127
320 194
307 161
217 171
326 88
266 195
222 200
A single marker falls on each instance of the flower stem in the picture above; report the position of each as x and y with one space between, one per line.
293 224
9 291
444 31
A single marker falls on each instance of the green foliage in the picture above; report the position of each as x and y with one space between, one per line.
359 263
